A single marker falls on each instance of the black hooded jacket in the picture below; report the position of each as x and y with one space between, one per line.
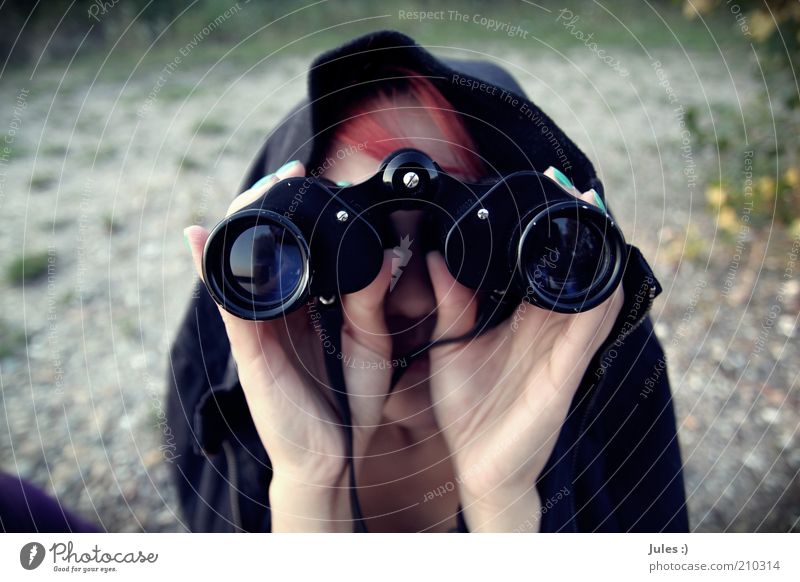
616 464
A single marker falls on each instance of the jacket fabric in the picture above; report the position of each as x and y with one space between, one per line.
616 465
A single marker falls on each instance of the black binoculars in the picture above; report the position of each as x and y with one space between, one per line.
521 237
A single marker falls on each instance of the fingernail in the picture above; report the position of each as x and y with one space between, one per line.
262 181
562 178
287 166
343 183
186 239
599 201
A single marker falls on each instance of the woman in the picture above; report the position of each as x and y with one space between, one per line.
512 427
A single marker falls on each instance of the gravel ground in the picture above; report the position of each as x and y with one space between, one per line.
104 193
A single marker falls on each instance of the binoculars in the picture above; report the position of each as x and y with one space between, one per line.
520 237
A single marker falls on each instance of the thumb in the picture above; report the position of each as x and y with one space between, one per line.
456 305
196 237
363 312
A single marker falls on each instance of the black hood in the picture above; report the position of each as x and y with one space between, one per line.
510 131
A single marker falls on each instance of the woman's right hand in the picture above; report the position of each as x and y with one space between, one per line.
282 372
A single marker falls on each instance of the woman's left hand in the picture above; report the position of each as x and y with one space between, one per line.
501 398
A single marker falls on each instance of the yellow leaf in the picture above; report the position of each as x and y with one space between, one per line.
761 25
689 10
716 195
728 220
692 8
792 177
794 230
766 187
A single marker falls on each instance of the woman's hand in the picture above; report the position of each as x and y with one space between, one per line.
501 398
281 369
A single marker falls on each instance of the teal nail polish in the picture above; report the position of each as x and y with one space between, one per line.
562 178
186 241
599 201
286 166
262 181
343 183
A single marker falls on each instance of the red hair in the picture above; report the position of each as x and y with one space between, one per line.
377 124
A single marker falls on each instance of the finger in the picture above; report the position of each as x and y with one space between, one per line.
363 310
290 170
589 197
456 305
562 180
367 346
592 197
196 237
586 331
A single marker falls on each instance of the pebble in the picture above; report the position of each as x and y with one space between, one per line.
787 325
769 415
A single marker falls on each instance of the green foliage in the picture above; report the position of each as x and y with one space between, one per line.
12 339
28 267
257 28
42 181
110 224
210 127
189 163
58 150
773 25
760 180
761 188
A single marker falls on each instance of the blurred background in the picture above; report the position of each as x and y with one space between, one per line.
122 122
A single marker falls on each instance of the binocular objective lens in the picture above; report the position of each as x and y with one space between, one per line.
266 261
564 257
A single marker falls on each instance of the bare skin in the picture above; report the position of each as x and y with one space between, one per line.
482 415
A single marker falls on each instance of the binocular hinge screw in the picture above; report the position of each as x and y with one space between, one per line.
327 300
411 180
483 214
342 216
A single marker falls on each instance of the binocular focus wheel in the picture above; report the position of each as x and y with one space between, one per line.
409 174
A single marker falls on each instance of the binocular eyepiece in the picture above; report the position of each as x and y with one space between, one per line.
522 237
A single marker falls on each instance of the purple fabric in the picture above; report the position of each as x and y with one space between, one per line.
26 508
